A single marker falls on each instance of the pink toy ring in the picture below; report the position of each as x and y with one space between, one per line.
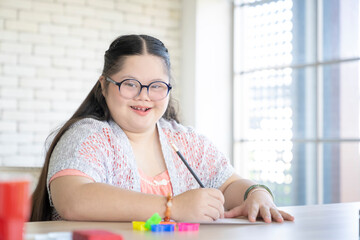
184 227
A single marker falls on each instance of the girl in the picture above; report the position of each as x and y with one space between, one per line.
113 161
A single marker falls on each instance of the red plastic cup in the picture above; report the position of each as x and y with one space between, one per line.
14 208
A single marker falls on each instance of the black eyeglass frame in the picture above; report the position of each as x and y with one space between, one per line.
141 86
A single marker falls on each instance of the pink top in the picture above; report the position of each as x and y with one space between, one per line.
159 185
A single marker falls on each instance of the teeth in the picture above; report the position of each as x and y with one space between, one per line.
140 109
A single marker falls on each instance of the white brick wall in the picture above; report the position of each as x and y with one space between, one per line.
51 54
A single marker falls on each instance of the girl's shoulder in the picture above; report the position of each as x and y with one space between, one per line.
89 125
78 130
84 128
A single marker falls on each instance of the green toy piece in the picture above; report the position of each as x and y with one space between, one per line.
154 219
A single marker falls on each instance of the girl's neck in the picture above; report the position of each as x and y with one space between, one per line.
147 151
142 137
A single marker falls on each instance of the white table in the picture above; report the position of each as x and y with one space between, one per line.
330 221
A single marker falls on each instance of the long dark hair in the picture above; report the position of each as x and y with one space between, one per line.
94 105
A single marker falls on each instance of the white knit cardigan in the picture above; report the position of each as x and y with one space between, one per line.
101 150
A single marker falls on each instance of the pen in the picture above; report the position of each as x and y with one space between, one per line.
186 164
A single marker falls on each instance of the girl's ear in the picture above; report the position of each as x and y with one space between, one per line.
102 83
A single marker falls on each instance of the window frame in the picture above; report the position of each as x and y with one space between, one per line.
319 140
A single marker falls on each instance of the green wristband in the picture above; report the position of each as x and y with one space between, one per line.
255 186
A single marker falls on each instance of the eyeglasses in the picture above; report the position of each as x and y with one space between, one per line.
131 88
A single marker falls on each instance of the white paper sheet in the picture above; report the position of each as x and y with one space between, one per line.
229 221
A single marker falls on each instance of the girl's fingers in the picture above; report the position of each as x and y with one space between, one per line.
253 213
222 212
213 213
218 206
215 200
236 211
207 218
276 215
265 214
286 216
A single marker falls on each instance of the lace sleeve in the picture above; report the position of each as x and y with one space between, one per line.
83 148
212 164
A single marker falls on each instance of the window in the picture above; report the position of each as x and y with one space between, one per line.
296 98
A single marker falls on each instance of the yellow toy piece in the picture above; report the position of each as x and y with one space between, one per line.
140 226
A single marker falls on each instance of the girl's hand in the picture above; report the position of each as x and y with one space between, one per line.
204 204
259 204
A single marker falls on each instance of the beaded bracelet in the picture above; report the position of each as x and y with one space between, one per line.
255 186
168 208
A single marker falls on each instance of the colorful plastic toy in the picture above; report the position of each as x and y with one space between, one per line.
153 220
163 228
184 227
140 226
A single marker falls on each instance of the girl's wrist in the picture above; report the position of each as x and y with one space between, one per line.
257 187
174 206
259 190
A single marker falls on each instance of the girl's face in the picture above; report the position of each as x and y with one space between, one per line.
139 114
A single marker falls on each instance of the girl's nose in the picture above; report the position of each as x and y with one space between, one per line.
143 95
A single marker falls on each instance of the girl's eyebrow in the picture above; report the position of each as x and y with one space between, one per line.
132 77
128 77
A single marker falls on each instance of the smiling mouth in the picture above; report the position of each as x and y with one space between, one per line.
140 109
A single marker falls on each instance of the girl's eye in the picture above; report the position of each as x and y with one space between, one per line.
130 84
158 86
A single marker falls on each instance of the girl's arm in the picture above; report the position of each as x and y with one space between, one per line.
79 198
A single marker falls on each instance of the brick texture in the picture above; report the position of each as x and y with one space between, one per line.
51 54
